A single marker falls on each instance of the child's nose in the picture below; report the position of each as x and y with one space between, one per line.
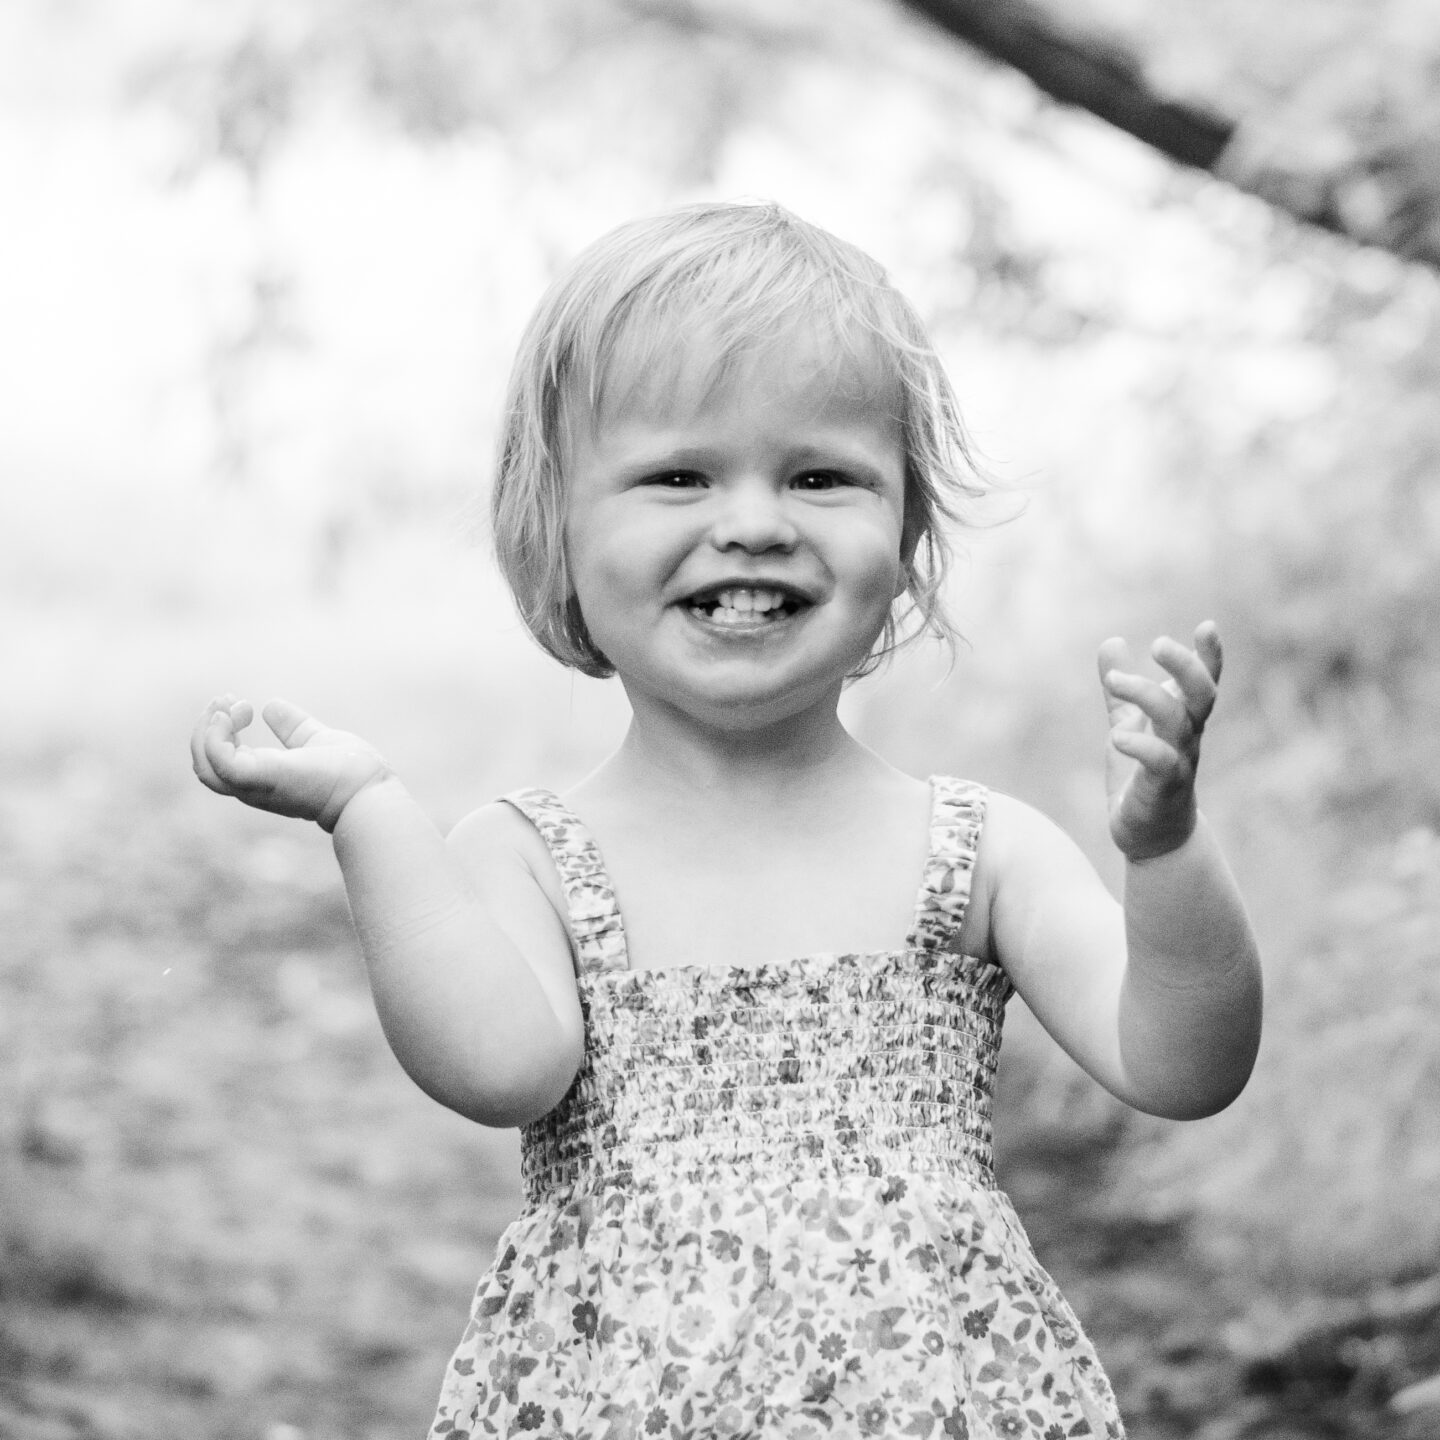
753 517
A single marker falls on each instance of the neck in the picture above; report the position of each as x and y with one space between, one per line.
670 755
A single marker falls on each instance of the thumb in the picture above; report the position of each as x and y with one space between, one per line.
292 726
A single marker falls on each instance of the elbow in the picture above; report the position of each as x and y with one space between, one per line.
1191 1107
502 1066
1205 1096
1192 1067
517 1105
505 1096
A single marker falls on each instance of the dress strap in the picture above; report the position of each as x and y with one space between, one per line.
956 819
595 922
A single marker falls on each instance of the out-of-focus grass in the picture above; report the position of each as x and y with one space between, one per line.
225 1211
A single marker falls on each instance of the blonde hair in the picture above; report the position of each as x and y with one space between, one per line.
748 274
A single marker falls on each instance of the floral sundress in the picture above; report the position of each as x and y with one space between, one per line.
766 1206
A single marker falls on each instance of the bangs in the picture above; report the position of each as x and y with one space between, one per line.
718 304
640 362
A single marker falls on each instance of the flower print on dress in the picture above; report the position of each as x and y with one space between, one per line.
876 1331
872 1418
695 1323
586 1319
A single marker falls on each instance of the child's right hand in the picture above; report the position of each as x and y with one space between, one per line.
317 774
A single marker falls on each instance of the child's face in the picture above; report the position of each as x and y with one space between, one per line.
736 544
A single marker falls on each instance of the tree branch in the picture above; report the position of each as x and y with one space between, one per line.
1387 193
1082 70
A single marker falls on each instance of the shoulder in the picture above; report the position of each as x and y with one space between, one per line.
1002 825
1023 860
1019 843
1042 896
497 842
1008 820
496 829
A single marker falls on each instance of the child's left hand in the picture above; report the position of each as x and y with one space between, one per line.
1154 749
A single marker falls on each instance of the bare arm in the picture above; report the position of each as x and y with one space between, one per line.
1190 1007
1159 999
469 963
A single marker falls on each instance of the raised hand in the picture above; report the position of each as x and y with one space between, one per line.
1154 749
317 774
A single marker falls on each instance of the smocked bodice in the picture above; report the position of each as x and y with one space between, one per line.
856 1063
742 1071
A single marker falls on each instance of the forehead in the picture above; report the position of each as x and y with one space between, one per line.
670 372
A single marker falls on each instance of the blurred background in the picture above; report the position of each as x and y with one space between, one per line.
264 266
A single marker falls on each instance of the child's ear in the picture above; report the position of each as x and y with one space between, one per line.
910 534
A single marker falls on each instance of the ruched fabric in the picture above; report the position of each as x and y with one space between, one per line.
767 1207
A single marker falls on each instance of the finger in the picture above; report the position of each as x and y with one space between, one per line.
1158 703
1209 648
216 720
242 712
1113 657
293 726
199 761
199 756
213 753
1191 674
1153 755
233 762
220 705
244 770
229 770
239 713
219 746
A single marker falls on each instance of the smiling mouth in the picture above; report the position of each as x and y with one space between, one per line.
744 607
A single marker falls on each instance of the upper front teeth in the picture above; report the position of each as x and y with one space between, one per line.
761 600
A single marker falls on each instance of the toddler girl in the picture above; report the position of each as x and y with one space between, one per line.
743 986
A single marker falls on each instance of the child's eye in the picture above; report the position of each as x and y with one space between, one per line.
675 480
816 480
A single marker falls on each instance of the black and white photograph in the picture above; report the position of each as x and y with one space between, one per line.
720 720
